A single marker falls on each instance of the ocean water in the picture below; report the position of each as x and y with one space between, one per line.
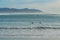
23 27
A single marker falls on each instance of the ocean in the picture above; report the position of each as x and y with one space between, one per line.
30 27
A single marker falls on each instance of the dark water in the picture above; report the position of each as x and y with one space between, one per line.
49 20
29 21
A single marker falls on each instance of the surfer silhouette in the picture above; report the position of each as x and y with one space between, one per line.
40 22
32 22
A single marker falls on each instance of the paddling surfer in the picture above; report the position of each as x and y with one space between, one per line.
32 22
40 22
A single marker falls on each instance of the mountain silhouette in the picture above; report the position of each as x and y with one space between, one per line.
13 10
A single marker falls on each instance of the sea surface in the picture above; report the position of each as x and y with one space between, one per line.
30 27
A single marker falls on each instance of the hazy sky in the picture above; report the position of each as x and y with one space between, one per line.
51 6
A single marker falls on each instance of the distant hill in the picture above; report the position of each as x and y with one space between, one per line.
13 10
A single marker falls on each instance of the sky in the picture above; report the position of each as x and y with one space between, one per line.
48 6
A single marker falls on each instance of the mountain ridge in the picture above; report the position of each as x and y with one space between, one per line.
14 10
